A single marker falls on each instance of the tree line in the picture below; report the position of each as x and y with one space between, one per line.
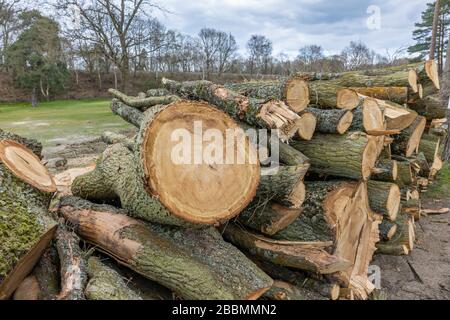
124 38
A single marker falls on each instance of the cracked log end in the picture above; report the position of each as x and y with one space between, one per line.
25 165
203 190
347 99
307 123
345 122
297 94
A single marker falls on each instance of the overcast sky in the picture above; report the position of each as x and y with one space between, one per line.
291 24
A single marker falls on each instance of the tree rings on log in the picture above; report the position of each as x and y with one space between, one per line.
198 191
26 166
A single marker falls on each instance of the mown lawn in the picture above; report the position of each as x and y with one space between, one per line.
60 121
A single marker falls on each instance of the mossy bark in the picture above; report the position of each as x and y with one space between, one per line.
144 103
403 239
336 155
255 112
287 292
196 264
379 198
405 141
24 222
395 94
157 92
431 107
129 114
106 283
110 138
405 174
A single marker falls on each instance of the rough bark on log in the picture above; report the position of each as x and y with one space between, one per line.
332 121
412 208
294 91
268 218
110 137
283 291
384 198
403 241
300 255
395 94
26 226
297 278
161 92
387 230
405 175
386 170
73 265
335 212
196 264
34 145
431 107
407 142
430 147
351 155
106 283
143 103
129 114
272 114
152 186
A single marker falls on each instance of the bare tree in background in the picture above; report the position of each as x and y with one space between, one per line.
227 52
260 53
10 23
357 55
437 8
114 25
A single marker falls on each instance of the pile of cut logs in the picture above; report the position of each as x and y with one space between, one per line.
355 150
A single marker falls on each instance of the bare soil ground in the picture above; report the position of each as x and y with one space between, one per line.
422 275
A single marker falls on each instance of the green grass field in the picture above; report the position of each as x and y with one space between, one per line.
60 121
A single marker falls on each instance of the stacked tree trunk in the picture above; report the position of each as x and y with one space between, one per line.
295 216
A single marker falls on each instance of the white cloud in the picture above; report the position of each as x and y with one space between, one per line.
293 24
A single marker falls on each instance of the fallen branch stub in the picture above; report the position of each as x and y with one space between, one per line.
143 103
273 114
196 264
155 187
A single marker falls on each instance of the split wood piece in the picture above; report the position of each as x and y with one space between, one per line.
273 114
430 146
143 103
410 194
309 256
43 283
397 116
268 218
299 279
405 174
407 142
105 283
394 94
386 170
403 241
196 264
34 145
161 92
333 120
431 107
427 72
26 227
352 155
283 291
424 166
154 187
384 198
369 118
339 212
73 265
387 230
65 179
294 91
436 211
412 208
307 125
110 137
